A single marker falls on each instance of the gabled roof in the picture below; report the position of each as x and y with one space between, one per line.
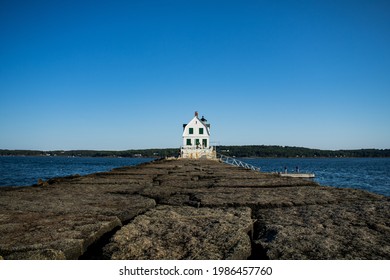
196 118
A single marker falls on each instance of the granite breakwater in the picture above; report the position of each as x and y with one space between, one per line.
191 209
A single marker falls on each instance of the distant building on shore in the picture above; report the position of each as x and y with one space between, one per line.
196 139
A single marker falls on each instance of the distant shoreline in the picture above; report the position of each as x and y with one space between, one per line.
246 151
281 157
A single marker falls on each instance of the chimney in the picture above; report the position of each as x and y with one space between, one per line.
196 113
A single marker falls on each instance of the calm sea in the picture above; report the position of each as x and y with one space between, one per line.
372 174
25 171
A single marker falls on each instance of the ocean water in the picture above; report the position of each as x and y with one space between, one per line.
372 174
25 171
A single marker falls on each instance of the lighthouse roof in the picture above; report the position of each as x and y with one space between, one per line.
196 122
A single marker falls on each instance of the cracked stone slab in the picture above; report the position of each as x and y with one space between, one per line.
62 221
347 230
169 232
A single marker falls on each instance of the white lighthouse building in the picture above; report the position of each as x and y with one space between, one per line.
196 139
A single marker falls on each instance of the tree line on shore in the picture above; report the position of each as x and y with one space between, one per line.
234 151
288 152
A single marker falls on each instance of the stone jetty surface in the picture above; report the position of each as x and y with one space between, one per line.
191 209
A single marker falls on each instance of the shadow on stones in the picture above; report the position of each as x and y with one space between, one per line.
258 252
95 250
261 235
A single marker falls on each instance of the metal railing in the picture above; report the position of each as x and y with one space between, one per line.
236 162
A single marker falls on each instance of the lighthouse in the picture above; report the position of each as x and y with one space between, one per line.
196 139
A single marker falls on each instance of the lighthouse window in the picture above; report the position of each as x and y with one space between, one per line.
204 142
191 130
201 130
197 142
189 142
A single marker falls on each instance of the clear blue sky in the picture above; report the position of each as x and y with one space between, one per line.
122 75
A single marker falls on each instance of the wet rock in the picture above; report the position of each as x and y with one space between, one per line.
168 232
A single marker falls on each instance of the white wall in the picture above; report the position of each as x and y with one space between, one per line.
195 123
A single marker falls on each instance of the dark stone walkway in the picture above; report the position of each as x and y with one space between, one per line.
187 209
